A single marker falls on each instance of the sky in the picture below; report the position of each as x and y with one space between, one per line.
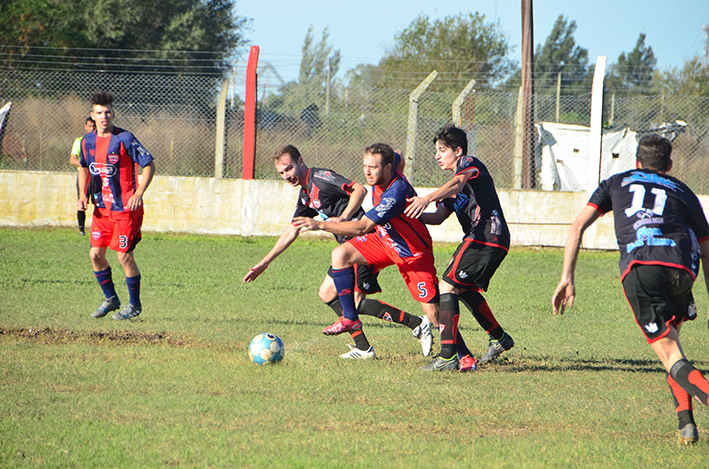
364 29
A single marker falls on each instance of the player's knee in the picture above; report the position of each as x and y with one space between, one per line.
342 255
327 292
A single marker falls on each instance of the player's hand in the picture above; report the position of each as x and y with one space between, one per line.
83 203
305 224
135 202
416 207
563 297
255 271
336 219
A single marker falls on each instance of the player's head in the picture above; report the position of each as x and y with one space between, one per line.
89 125
452 137
102 110
378 164
289 165
654 152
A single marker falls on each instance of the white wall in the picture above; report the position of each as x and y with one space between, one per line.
262 208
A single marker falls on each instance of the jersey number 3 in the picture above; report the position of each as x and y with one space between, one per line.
636 205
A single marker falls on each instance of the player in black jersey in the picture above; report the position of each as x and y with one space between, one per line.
335 198
471 195
663 236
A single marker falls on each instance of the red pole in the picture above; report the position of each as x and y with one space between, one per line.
250 115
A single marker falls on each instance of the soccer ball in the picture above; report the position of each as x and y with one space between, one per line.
266 349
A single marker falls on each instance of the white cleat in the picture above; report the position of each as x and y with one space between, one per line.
356 353
423 334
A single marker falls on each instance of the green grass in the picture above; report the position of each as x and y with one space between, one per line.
175 386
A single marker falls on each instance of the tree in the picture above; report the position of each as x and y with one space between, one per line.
460 48
692 79
634 71
560 54
164 35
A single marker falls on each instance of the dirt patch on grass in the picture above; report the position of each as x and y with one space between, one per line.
48 335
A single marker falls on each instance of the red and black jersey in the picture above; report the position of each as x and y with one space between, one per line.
477 205
113 166
327 194
658 219
409 237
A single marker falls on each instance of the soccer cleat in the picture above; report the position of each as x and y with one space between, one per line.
127 312
343 325
688 434
423 334
441 364
360 354
496 347
468 363
108 305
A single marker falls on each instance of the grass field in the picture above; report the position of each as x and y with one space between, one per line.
175 386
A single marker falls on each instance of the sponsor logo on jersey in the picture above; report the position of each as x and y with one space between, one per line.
651 328
101 169
315 203
139 148
112 158
95 234
92 152
650 237
384 205
642 177
326 175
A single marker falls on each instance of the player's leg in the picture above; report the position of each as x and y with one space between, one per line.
80 214
686 427
126 238
454 343
328 290
669 350
102 228
344 257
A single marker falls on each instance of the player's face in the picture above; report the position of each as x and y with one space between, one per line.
291 171
374 172
447 157
103 116
89 127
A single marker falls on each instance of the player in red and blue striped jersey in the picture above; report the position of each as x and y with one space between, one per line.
110 158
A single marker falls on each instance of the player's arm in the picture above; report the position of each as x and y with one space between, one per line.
74 156
289 235
83 179
343 228
437 217
136 201
356 198
566 291
418 204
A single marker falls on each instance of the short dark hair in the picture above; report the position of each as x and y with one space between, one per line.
289 150
101 98
453 137
654 152
386 152
89 119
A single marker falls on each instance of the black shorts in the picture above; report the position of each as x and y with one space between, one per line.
659 296
473 265
366 280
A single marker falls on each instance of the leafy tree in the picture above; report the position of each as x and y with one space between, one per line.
460 48
691 79
180 35
560 54
634 71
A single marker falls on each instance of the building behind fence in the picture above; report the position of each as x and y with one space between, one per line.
175 118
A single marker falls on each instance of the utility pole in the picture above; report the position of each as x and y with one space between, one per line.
705 28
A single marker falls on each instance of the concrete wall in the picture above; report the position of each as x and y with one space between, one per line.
262 208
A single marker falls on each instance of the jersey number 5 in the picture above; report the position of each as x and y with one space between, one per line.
636 205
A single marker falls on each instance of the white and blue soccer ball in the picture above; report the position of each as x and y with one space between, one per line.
266 349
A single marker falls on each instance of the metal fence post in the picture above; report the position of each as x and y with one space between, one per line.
458 103
413 116
221 132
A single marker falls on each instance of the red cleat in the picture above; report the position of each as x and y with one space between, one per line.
343 325
468 363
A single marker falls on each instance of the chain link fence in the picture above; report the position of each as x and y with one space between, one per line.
175 119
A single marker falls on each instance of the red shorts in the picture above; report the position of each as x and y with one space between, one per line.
419 273
119 231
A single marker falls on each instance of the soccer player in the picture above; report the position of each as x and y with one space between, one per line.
662 234
109 159
472 196
336 199
89 126
384 236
